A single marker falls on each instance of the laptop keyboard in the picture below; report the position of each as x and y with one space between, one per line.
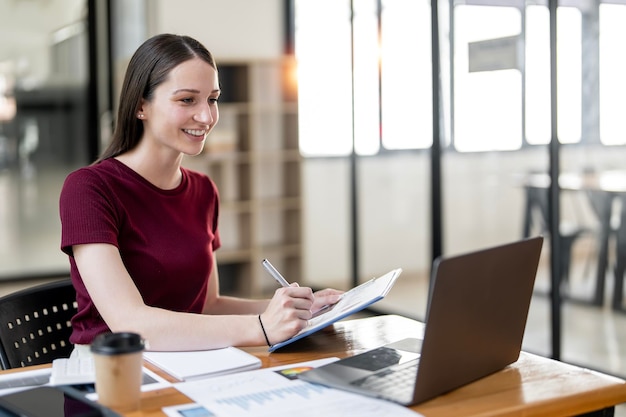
395 383
374 360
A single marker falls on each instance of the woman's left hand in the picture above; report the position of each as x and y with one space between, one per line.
324 298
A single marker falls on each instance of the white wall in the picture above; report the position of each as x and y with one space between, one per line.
232 29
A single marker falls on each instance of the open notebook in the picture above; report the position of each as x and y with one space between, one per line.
352 301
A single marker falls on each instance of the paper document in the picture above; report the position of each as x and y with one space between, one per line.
189 365
351 302
18 381
275 392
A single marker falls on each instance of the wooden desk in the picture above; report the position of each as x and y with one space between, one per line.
532 386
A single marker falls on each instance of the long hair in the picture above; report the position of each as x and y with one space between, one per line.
148 68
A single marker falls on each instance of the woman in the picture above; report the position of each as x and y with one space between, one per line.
141 230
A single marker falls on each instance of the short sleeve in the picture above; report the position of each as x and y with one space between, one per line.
87 211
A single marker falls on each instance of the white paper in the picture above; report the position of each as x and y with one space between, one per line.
351 302
18 381
189 365
272 393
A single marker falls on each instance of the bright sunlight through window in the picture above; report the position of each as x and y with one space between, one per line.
492 106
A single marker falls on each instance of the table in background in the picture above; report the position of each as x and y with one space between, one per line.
604 188
532 386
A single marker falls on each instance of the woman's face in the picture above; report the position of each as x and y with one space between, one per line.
183 109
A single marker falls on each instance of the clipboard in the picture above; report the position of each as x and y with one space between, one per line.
351 302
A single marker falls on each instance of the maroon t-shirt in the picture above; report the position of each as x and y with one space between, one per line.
166 238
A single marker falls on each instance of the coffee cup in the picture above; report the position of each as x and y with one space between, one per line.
118 361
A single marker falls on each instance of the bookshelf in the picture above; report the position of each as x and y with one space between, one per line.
253 157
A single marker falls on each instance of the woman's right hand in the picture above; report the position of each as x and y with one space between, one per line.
287 313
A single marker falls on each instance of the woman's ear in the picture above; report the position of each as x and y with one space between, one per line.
141 115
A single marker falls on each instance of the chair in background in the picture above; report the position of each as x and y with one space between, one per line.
620 259
536 218
35 324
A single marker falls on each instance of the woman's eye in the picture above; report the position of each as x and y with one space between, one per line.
213 100
187 100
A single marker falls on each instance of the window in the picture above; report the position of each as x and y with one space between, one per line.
487 80
499 88
612 70
402 56
323 52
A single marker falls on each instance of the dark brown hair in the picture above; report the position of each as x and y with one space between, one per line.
148 68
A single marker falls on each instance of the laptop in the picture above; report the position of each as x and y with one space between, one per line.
477 311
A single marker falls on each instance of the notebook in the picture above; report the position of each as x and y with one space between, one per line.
191 365
477 312
352 301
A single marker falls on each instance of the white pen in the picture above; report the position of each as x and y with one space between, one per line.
274 273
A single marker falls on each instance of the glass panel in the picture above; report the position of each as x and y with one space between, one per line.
487 79
538 75
500 91
569 73
43 127
366 96
325 111
405 83
485 194
406 75
537 108
612 70
324 76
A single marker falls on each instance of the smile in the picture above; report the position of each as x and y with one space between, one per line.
195 132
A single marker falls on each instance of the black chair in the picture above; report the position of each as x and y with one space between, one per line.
620 259
35 324
536 219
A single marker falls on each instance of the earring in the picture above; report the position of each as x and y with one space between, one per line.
140 115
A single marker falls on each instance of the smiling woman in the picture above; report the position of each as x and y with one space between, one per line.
176 117
142 230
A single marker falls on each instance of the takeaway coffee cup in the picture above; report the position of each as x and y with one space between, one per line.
118 361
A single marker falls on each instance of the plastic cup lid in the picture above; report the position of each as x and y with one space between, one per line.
117 342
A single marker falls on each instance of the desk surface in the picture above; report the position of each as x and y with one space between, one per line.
610 181
532 386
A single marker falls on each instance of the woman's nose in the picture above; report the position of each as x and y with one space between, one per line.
204 115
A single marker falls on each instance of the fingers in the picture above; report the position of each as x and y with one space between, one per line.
329 296
287 312
299 299
325 298
291 307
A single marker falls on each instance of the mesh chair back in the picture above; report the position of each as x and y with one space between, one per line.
35 324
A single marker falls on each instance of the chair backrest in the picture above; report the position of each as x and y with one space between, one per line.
35 324
538 209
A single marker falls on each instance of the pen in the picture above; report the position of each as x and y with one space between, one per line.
274 273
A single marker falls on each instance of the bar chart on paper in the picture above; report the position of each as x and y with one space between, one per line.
276 392
254 400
